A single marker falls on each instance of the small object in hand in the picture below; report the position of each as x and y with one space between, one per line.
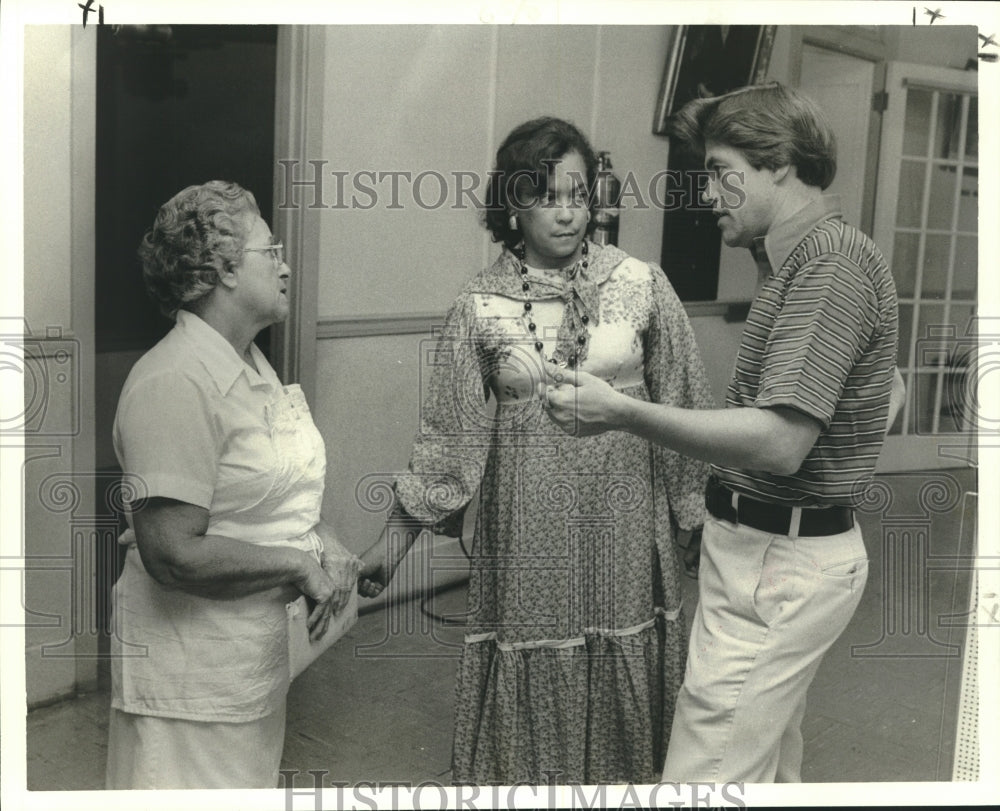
692 554
369 588
302 649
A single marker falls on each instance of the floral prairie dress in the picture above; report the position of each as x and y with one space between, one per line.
576 643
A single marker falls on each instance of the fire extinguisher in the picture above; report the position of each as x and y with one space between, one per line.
607 194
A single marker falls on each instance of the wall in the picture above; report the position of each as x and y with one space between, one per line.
737 271
46 167
411 115
60 538
948 46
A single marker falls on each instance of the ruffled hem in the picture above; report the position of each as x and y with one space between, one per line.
575 641
591 709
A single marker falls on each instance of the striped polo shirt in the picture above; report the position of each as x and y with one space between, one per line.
819 338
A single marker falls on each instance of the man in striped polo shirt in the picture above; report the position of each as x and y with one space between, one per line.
814 390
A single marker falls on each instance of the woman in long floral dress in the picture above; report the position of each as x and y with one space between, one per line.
576 645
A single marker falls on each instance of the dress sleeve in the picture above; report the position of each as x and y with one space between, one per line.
675 376
163 436
450 449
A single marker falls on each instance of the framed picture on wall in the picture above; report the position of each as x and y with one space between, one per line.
704 61
708 60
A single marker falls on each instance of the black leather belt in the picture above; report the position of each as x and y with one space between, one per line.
774 518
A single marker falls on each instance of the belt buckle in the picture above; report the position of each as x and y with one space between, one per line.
794 521
734 502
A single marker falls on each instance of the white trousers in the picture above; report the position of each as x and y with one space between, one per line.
769 607
147 752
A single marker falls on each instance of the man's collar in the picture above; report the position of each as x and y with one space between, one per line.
215 353
777 245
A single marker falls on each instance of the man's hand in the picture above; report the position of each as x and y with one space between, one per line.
579 403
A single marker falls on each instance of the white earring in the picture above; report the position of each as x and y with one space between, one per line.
512 222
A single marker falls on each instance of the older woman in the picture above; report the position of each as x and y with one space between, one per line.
231 470
576 645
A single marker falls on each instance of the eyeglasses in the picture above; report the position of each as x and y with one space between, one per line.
276 249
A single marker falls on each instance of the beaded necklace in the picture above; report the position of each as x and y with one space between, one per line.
572 344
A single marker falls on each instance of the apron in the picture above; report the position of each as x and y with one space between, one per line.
178 655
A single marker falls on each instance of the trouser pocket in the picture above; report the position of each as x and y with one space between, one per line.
777 584
838 559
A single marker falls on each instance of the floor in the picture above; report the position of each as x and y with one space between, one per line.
883 706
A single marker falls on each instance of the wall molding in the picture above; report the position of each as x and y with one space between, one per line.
367 326
375 325
730 310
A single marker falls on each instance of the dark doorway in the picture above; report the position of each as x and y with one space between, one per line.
176 105
715 60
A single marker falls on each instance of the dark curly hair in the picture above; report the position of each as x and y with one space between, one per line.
524 167
198 233
772 125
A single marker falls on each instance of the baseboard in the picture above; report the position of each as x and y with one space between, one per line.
52 678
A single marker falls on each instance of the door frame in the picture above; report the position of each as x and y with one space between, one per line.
850 41
83 150
298 137
914 451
